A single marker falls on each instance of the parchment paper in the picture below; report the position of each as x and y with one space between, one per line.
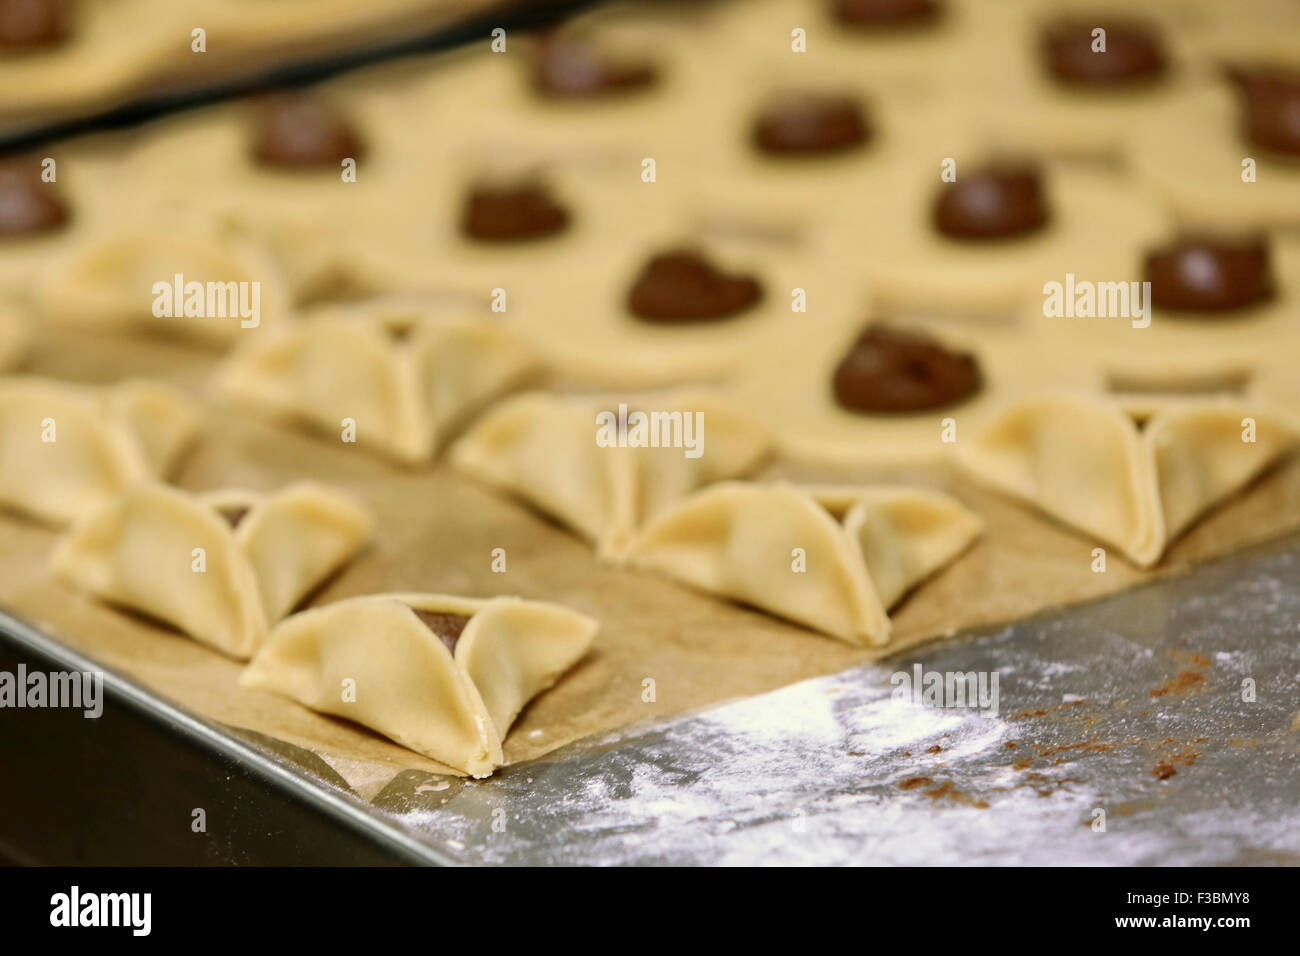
436 532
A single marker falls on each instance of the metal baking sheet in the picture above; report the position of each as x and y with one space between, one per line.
180 95
1135 706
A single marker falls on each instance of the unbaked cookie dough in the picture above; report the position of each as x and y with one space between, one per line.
1221 316
392 375
834 559
1080 459
310 175
671 308
15 335
897 46
1013 224
67 450
617 83
445 676
219 566
193 284
1038 81
919 411
602 464
1195 151
59 57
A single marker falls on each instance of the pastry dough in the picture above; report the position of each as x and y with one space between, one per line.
1082 460
15 335
445 676
898 59
1190 154
1098 225
788 385
862 549
543 448
579 321
1006 93
111 48
67 450
260 555
1181 357
116 49
323 231
108 281
405 377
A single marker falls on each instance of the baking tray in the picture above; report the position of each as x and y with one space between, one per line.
312 68
1132 704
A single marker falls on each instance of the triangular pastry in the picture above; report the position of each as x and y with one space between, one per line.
67 450
193 284
219 566
564 455
445 676
405 378
834 559
1082 460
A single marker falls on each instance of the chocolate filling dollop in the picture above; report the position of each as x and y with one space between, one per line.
233 514
682 286
447 626
31 24
27 205
997 202
1134 53
810 124
884 14
300 131
569 67
512 213
1270 107
1200 274
890 371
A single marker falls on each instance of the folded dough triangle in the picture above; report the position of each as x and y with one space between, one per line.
406 378
260 554
1080 459
445 676
544 449
118 280
67 450
835 559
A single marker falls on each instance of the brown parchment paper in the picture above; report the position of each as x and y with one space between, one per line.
436 532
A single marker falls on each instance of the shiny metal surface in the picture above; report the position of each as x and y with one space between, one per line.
1132 705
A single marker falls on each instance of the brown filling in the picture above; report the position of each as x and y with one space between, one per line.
811 124
998 202
31 24
682 286
571 68
890 371
447 626
233 514
297 130
1133 54
1202 274
1270 107
885 14
512 213
27 205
